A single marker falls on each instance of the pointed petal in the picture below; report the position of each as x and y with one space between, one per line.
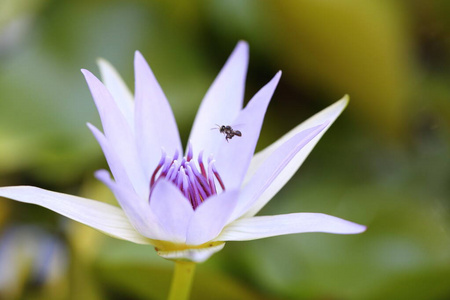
114 124
114 163
137 211
119 135
267 226
233 157
329 115
195 255
126 170
266 176
119 90
172 211
101 216
210 218
223 101
155 124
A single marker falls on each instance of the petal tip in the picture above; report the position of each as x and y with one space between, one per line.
279 73
360 228
138 57
102 173
90 126
345 100
276 78
101 62
89 76
242 45
141 66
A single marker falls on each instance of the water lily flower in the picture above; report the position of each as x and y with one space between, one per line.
188 205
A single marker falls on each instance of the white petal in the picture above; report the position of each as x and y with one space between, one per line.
172 211
118 89
210 217
195 255
114 162
117 132
126 170
261 227
271 168
327 115
155 125
101 216
222 103
137 211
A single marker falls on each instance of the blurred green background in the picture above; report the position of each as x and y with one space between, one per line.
385 163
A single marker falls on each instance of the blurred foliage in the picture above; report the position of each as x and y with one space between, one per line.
128 267
385 163
364 47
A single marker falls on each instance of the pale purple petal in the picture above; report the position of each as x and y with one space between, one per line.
118 89
210 217
222 103
114 124
267 226
171 210
271 168
101 216
327 115
118 133
137 211
233 157
124 176
155 124
116 166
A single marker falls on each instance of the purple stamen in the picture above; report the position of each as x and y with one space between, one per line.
190 152
173 170
183 162
202 180
196 193
200 193
218 176
185 183
160 164
195 179
180 181
200 162
211 178
167 164
175 156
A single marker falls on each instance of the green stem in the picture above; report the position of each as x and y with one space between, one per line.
182 280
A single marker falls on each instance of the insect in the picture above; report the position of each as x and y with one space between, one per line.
228 131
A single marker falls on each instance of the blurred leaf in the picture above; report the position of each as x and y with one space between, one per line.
136 271
404 237
4 212
355 47
433 284
13 9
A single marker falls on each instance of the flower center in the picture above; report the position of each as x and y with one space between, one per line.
195 178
